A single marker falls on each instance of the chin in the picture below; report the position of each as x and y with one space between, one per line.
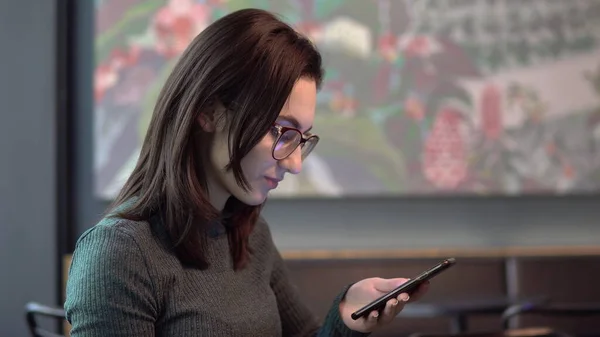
253 198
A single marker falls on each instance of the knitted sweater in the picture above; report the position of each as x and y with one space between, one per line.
124 280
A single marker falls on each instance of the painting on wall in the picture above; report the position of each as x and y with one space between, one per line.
429 97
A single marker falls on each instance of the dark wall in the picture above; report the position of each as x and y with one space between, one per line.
404 223
391 223
27 160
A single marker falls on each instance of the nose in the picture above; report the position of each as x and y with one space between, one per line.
293 163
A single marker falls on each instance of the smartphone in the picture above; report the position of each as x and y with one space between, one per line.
407 287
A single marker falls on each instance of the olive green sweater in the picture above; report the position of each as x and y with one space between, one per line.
124 280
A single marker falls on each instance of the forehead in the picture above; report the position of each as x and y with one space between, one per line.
299 109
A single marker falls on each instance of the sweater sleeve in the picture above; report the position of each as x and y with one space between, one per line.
109 290
296 318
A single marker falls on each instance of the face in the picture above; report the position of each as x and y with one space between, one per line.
260 168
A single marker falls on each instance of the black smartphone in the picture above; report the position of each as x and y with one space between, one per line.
407 287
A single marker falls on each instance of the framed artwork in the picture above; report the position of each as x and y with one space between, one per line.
428 97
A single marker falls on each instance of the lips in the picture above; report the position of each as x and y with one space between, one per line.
272 182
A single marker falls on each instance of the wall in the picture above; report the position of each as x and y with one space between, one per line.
390 223
404 223
27 164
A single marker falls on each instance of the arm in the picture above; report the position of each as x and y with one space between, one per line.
109 290
296 318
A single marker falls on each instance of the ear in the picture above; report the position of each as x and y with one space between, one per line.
206 122
211 119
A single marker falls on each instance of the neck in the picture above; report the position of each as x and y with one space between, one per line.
217 196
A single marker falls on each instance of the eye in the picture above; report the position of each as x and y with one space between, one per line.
274 131
288 136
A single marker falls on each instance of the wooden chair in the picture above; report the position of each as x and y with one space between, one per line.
553 310
528 332
35 310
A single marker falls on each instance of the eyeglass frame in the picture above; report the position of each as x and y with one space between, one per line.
303 139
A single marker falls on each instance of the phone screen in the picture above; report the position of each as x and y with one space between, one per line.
407 287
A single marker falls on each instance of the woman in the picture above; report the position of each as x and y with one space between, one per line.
184 251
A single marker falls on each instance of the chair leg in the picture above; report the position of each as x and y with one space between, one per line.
458 324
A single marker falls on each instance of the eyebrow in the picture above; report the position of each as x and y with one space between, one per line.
294 122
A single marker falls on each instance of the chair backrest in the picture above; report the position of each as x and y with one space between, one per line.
552 277
551 312
553 309
529 332
34 310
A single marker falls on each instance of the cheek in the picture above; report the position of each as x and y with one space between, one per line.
259 160
219 154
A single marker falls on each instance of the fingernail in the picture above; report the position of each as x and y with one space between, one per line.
394 302
376 314
405 297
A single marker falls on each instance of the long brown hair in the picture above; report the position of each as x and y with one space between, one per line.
248 61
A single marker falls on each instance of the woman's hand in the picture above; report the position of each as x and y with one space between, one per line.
367 290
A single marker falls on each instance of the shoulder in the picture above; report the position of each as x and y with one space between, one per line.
113 244
111 269
117 229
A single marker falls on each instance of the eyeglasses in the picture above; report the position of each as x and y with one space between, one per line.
288 139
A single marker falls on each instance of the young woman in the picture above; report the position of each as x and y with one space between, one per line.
184 251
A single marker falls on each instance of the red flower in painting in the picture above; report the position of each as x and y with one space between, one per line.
387 46
491 112
107 74
312 29
177 24
419 46
444 160
105 77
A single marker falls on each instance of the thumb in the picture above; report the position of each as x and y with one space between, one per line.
387 285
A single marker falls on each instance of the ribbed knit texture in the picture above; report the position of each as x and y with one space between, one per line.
126 281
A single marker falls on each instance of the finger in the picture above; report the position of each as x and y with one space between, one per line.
389 313
372 320
403 298
398 307
387 285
